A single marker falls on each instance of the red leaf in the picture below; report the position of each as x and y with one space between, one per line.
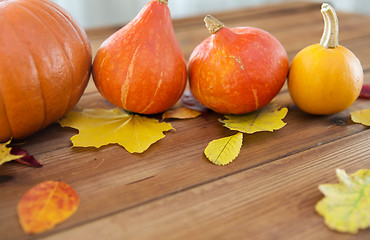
365 91
189 101
26 159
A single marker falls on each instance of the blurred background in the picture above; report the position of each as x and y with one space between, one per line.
93 14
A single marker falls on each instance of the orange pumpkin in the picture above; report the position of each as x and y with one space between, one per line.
325 78
141 68
45 62
237 70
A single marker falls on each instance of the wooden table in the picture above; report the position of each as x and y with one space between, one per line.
172 191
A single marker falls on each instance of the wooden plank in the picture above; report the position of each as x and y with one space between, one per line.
294 31
267 11
259 13
117 180
108 163
97 36
272 201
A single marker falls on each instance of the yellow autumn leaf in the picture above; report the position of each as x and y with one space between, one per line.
98 127
5 155
346 205
362 117
224 150
181 113
268 118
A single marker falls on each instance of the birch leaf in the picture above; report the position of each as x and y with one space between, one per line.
224 150
5 153
181 113
346 205
98 127
268 118
45 205
362 117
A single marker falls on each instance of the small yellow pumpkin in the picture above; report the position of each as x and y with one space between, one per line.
325 78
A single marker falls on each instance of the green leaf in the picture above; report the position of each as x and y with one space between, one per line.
224 150
346 205
268 118
98 127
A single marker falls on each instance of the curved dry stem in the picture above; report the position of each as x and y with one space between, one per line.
329 37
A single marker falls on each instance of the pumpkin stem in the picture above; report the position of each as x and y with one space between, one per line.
329 38
213 24
163 1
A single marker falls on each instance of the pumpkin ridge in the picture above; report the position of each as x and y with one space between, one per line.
200 95
155 93
41 90
180 93
34 64
45 123
254 93
6 114
68 60
82 36
126 85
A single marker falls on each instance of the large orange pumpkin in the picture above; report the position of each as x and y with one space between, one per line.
45 63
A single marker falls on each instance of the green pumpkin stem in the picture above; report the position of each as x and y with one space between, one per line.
329 38
213 24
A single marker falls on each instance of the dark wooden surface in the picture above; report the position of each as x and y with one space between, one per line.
172 191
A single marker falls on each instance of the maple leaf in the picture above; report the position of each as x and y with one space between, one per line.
5 153
268 118
98 127
362 117
181 113
45 205
224 150
346 205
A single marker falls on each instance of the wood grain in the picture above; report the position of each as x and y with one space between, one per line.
172 191
271 201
